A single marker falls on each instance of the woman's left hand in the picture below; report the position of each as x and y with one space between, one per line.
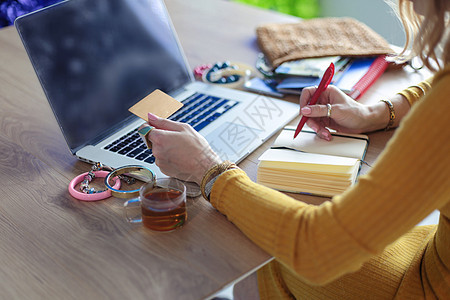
180 151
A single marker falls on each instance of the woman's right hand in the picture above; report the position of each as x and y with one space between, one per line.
180 151
347 115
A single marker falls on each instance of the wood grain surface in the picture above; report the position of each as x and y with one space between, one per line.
55 247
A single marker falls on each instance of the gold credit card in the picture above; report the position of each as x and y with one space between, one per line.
157 103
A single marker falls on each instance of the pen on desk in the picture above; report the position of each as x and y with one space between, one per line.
326 79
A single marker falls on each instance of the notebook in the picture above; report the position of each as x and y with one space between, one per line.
311 165
311 67
95 59
361 74
354 79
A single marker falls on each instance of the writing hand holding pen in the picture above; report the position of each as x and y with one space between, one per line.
346 114
326 79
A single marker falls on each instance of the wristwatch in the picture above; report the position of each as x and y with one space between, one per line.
209 185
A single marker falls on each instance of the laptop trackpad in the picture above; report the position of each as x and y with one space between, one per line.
233 139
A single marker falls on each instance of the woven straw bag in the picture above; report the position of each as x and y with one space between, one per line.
319 37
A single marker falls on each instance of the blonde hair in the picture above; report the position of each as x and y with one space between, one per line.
425 35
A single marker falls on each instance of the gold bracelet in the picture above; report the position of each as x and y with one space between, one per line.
212 173
419 87
426 84
391 114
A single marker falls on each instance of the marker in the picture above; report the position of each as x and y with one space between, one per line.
326 79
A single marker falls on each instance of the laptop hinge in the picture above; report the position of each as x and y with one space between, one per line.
177 92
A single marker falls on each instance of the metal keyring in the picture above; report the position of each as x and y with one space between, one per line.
138 172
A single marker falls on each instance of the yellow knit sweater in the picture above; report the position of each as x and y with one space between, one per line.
364 243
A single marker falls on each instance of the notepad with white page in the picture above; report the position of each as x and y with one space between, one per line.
309 164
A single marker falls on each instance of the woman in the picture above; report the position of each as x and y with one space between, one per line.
364 243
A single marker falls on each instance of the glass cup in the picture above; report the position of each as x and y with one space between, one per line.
162 203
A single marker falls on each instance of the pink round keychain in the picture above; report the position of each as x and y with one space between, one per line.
94 196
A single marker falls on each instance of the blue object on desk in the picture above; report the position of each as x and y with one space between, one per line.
263 86
358 68
294 85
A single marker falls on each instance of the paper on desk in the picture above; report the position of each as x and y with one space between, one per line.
290 156
345 145
157 103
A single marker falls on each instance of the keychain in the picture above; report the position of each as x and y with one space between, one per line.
229 74
87 193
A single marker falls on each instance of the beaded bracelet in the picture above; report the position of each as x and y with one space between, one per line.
90 194
391 114
212 174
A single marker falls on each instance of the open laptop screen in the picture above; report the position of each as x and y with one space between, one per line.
95 59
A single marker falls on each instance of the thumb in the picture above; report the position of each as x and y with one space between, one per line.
162 123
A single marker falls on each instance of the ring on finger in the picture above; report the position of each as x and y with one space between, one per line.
328 110
143 131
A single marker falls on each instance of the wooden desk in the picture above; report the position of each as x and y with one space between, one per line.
55 247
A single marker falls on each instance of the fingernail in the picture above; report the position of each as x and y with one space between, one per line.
306 111
152 117
325 135
314 127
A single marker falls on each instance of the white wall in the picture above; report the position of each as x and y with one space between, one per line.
374 13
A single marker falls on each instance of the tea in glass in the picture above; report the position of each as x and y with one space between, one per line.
163 209
163 205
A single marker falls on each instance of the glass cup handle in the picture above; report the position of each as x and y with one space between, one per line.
135 219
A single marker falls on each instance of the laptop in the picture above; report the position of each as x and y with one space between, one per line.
95 59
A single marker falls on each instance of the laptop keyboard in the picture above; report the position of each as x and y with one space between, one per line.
198 110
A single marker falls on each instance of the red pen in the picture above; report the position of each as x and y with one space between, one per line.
326 79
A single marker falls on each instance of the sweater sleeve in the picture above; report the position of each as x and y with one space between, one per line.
410 179
417 91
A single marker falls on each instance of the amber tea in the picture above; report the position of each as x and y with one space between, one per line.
166 210
162 204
